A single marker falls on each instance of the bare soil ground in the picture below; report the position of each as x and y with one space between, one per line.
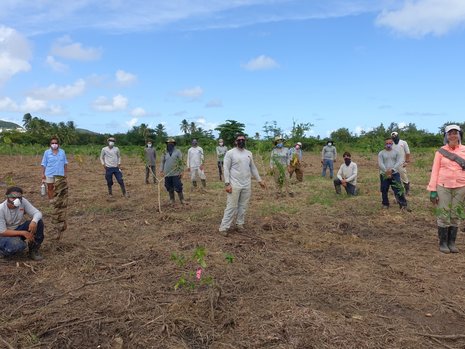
310 271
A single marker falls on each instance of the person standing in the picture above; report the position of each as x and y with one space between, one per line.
279 163
402 147
110 157
347 176
171 169
221 150
389 161
328 158
447 187
54 164
150 160
195 161
295 162
239 167
15 232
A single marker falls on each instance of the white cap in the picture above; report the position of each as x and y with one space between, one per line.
394 134
452 127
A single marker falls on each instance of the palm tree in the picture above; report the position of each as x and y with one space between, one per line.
184 126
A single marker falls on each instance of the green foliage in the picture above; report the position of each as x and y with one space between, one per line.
228 131
272 130
229 258
279 171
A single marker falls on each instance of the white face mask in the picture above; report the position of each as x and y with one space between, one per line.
17 202
111 144
149 145
330 144
54 146
221 144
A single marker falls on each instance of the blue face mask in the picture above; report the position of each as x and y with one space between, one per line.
279 145
388 146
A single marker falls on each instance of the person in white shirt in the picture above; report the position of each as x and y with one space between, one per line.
221 150
347 176
238 170
403 149
195 161
110 157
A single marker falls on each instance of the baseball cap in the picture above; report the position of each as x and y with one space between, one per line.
394 134
452 127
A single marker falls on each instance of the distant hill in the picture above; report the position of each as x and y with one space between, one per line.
83 130
7 125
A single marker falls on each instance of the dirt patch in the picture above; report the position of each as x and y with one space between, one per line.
312 270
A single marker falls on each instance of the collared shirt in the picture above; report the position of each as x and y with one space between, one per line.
54 164
150 156
329 153
239 168
221 152
10 219
445 172
389 160
171 164
110 157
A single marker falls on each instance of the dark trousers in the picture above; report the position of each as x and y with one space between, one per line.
350 188
150 169
220 168
173 183
395 183
114 171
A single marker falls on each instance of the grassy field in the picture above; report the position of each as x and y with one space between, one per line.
312 270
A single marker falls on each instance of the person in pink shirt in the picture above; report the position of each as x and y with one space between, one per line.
447 187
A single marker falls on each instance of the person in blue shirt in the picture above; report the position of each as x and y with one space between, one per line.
54 164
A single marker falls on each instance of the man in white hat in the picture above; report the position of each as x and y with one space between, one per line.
403 149
295 162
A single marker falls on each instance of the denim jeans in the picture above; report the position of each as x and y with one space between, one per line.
350 188
173 183
327 163
12 245
114 171
395 183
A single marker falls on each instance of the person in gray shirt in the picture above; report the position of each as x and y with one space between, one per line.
328 158
171 169
389 161
150 159
15 231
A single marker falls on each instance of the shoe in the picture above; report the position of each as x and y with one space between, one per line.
240 227
406 208
34 254
385 207
224 232
126 195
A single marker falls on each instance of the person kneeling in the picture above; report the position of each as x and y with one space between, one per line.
347 176
15 232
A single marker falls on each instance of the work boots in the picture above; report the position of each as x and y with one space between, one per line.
171 197
181 197
34 253
443 233
451 236
407 188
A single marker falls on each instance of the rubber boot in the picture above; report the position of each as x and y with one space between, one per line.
204 185
221 176
443 233
338 188
110 191
123 190
171 197
194 186
451 236
407 188
181 197
34 253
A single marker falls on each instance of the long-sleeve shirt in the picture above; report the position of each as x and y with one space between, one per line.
295 156
445 172
221 152
171 164
110 157
349 173
10 219
329 153
150 156
54 164
403 149
281 155
194 157
239 168
389 160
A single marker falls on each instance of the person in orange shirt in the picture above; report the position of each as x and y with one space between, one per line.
447 187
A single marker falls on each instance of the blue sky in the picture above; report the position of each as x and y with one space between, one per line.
333 63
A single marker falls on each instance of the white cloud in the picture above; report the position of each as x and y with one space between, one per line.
422 17
214 103
56 65
105 104
261 63
124 78
60 92
29 105
138 112
131 123
359 130
15 53
191 93
203 123
66 48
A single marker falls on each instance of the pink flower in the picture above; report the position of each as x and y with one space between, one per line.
199 273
